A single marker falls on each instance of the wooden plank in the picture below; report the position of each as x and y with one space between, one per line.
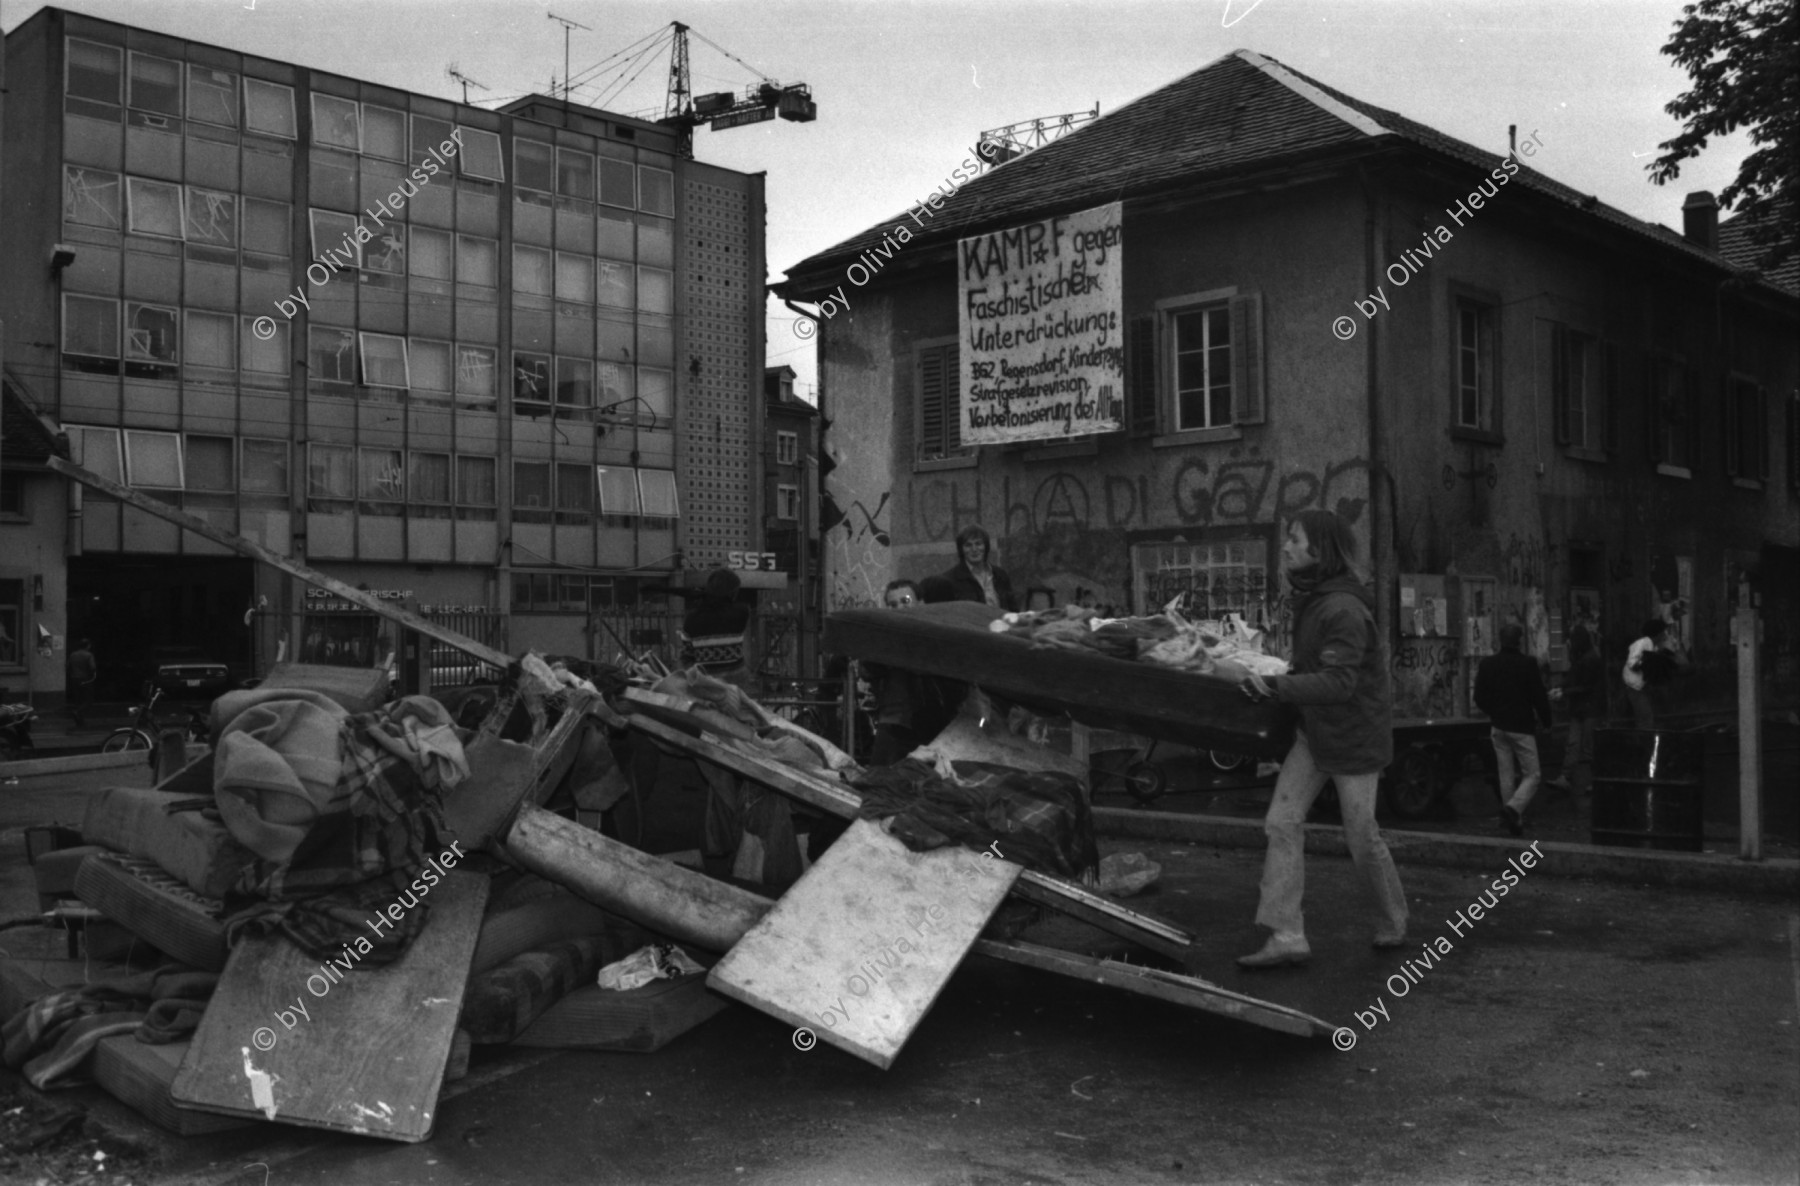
1189 991
368 1054
843 802
859 949
140 1073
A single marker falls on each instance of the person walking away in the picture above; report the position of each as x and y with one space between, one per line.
1648 661
975 575
1583 693
1338 680
83 671
1509 687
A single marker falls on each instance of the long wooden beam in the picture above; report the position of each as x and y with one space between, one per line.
287 564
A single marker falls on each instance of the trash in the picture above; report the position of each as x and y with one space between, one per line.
659 961
1126 873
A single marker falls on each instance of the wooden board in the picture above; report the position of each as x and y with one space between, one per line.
139 1074
952 639
859 949
1190 991
369 1054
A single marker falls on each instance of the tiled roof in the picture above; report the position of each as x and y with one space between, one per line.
1240 112
26 436
1737 249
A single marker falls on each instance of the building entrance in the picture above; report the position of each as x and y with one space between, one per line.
141 612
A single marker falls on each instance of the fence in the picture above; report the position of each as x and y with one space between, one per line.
452 668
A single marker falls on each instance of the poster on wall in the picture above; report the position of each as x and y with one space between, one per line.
1043 350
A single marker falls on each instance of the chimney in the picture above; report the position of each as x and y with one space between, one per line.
1700 220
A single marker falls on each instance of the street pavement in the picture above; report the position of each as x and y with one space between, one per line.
1578 1031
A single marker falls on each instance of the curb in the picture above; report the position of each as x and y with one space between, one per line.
73 763
1669 870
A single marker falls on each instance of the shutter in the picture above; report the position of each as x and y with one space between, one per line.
931 403
952 400
1609 395
1656 375
1556 369
1736 465
1247 404
1762 433
1140 375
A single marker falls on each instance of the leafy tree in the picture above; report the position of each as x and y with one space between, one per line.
1741 58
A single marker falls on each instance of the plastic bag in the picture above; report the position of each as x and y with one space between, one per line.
660 961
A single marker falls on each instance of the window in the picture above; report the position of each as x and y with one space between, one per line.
531 271
658 490
574 278
574 388
386 252
384 361
153 460
211 217
335 233
155 207
475 376
90 334
656 291
430 367
433 254
787 502
155 85
1200 342
1474 366
619 503
150 341
1746 429
330 474
656 191
617 285
531 382
91 197
1673 391
531 491
98 450
268 228
212 96
475 481
264 356
209 464
574 494
657 391
480 155
615 388
428 134
574 174
269 108
94 72
787 448
939 387
384 132
12 623
477 261
331 355
211 340
265 468
1580 398
618 183
533 165
1212 579
12 497
381 481
337 123
428 482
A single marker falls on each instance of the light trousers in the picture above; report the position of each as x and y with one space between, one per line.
1643 710
1284 868
1516 750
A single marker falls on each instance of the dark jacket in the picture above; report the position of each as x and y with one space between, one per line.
1584 687
1339 679
969 589
1509 687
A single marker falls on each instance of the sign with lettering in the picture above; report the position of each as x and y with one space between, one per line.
1043 348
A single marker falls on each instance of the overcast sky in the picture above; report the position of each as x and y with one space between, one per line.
904 88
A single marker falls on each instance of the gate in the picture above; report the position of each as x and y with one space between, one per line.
452 668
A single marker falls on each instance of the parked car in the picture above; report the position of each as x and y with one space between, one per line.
186 675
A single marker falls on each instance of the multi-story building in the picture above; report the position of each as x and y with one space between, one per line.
791 523
501 366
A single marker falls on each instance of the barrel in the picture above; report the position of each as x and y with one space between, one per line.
1648 789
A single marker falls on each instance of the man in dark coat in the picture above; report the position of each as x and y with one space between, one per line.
1338 679
976 577
1509 687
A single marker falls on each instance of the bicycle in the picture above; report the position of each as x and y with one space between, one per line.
144 729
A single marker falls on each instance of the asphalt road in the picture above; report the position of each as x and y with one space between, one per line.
1578 1032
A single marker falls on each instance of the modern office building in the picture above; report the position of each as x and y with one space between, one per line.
503 367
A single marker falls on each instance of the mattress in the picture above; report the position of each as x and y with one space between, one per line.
952 639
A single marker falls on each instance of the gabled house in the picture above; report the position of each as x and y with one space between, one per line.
1531 406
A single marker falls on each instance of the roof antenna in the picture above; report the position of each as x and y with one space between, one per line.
567 25
1512 139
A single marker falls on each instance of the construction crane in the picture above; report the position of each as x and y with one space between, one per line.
1015 140
719 110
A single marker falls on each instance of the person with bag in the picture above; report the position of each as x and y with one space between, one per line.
1650 660
1338 679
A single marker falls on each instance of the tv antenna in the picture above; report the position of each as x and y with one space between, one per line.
451 71
567 26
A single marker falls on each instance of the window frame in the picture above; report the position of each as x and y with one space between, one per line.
132 185
145 437
293 122
1668 370
939 356
363 340
231 90
329 120
180 88
147 365
787 447
1753 473
465 157
188 485
1492 431
1219 308
787 501
119 200
118 99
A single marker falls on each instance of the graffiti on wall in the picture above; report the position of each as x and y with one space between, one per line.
857 555
1424 675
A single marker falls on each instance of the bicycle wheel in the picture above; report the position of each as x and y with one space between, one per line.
1224 762
1144 782
123 740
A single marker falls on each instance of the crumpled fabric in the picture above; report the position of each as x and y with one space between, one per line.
324 924
1038 819
49 1041
751 824
418 730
